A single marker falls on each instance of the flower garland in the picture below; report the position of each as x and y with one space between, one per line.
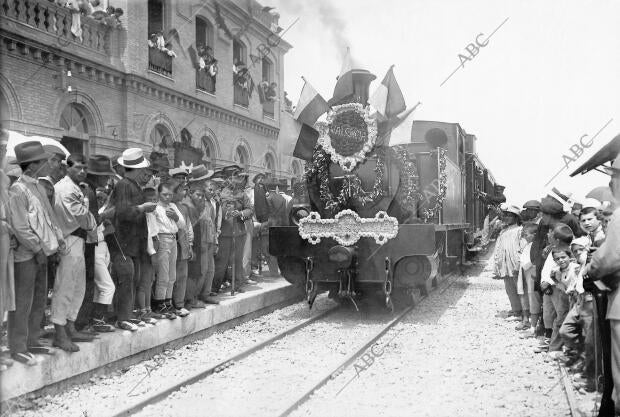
348 163
408 192
352 189
429 214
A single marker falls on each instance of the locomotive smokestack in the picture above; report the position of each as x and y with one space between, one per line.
361 85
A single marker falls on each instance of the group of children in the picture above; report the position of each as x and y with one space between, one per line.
542 263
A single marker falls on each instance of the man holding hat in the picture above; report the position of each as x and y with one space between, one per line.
35 243
128 248
605 265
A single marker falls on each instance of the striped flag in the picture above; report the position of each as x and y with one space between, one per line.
295 138
388 99
311 105
344 85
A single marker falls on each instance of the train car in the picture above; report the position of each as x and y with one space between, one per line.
374 220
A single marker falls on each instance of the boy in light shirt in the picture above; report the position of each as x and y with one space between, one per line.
168 220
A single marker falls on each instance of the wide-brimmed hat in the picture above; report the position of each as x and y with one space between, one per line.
55 150
230 170
133 158
100 165
513 209
30 151
257 176
591 203
178 171
532 204
200 173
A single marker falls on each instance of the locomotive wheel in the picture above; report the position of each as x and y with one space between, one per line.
403 297
292 269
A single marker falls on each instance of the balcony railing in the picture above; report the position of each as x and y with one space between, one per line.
160 62
241 96
268 108
54 20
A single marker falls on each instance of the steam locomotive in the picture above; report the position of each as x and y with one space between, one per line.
374 220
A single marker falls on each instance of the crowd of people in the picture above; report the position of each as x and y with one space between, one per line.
97 244
559 261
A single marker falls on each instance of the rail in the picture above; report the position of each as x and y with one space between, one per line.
165 392
32 17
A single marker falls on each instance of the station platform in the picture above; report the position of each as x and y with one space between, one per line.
123 348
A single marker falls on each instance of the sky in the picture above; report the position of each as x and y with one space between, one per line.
548 76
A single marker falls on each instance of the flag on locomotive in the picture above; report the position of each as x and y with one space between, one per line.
386 209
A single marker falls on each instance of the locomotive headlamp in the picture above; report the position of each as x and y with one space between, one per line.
341 255
298 213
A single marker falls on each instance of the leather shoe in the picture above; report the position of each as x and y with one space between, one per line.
209 300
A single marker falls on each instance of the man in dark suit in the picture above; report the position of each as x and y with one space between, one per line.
278 213
128 244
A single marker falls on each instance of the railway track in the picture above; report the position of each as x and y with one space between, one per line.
334 370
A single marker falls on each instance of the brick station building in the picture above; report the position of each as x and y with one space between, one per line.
108 90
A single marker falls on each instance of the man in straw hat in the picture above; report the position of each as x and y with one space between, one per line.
35 243
128 248
605 265
506 257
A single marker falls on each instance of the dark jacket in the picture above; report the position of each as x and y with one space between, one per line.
129 222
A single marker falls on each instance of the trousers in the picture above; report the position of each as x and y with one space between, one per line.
561 307
70 283
615 360
30 299
247 248
124 270
577 332
166 266
180 285
201 276
226 257
548 312
104 286
144 282
510 284
88 304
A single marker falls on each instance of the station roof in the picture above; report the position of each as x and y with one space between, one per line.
605 155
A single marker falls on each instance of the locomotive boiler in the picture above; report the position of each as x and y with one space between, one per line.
374 220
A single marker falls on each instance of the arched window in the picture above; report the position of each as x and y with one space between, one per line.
4 110
204 32
242 158
75 121
270 164
155 17
297 169
160 137
239 52
209 151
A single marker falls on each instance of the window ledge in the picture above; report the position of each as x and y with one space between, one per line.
160 75
271 118
239 106
206 93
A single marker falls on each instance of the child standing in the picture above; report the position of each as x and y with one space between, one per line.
168 219
555 307
531 300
